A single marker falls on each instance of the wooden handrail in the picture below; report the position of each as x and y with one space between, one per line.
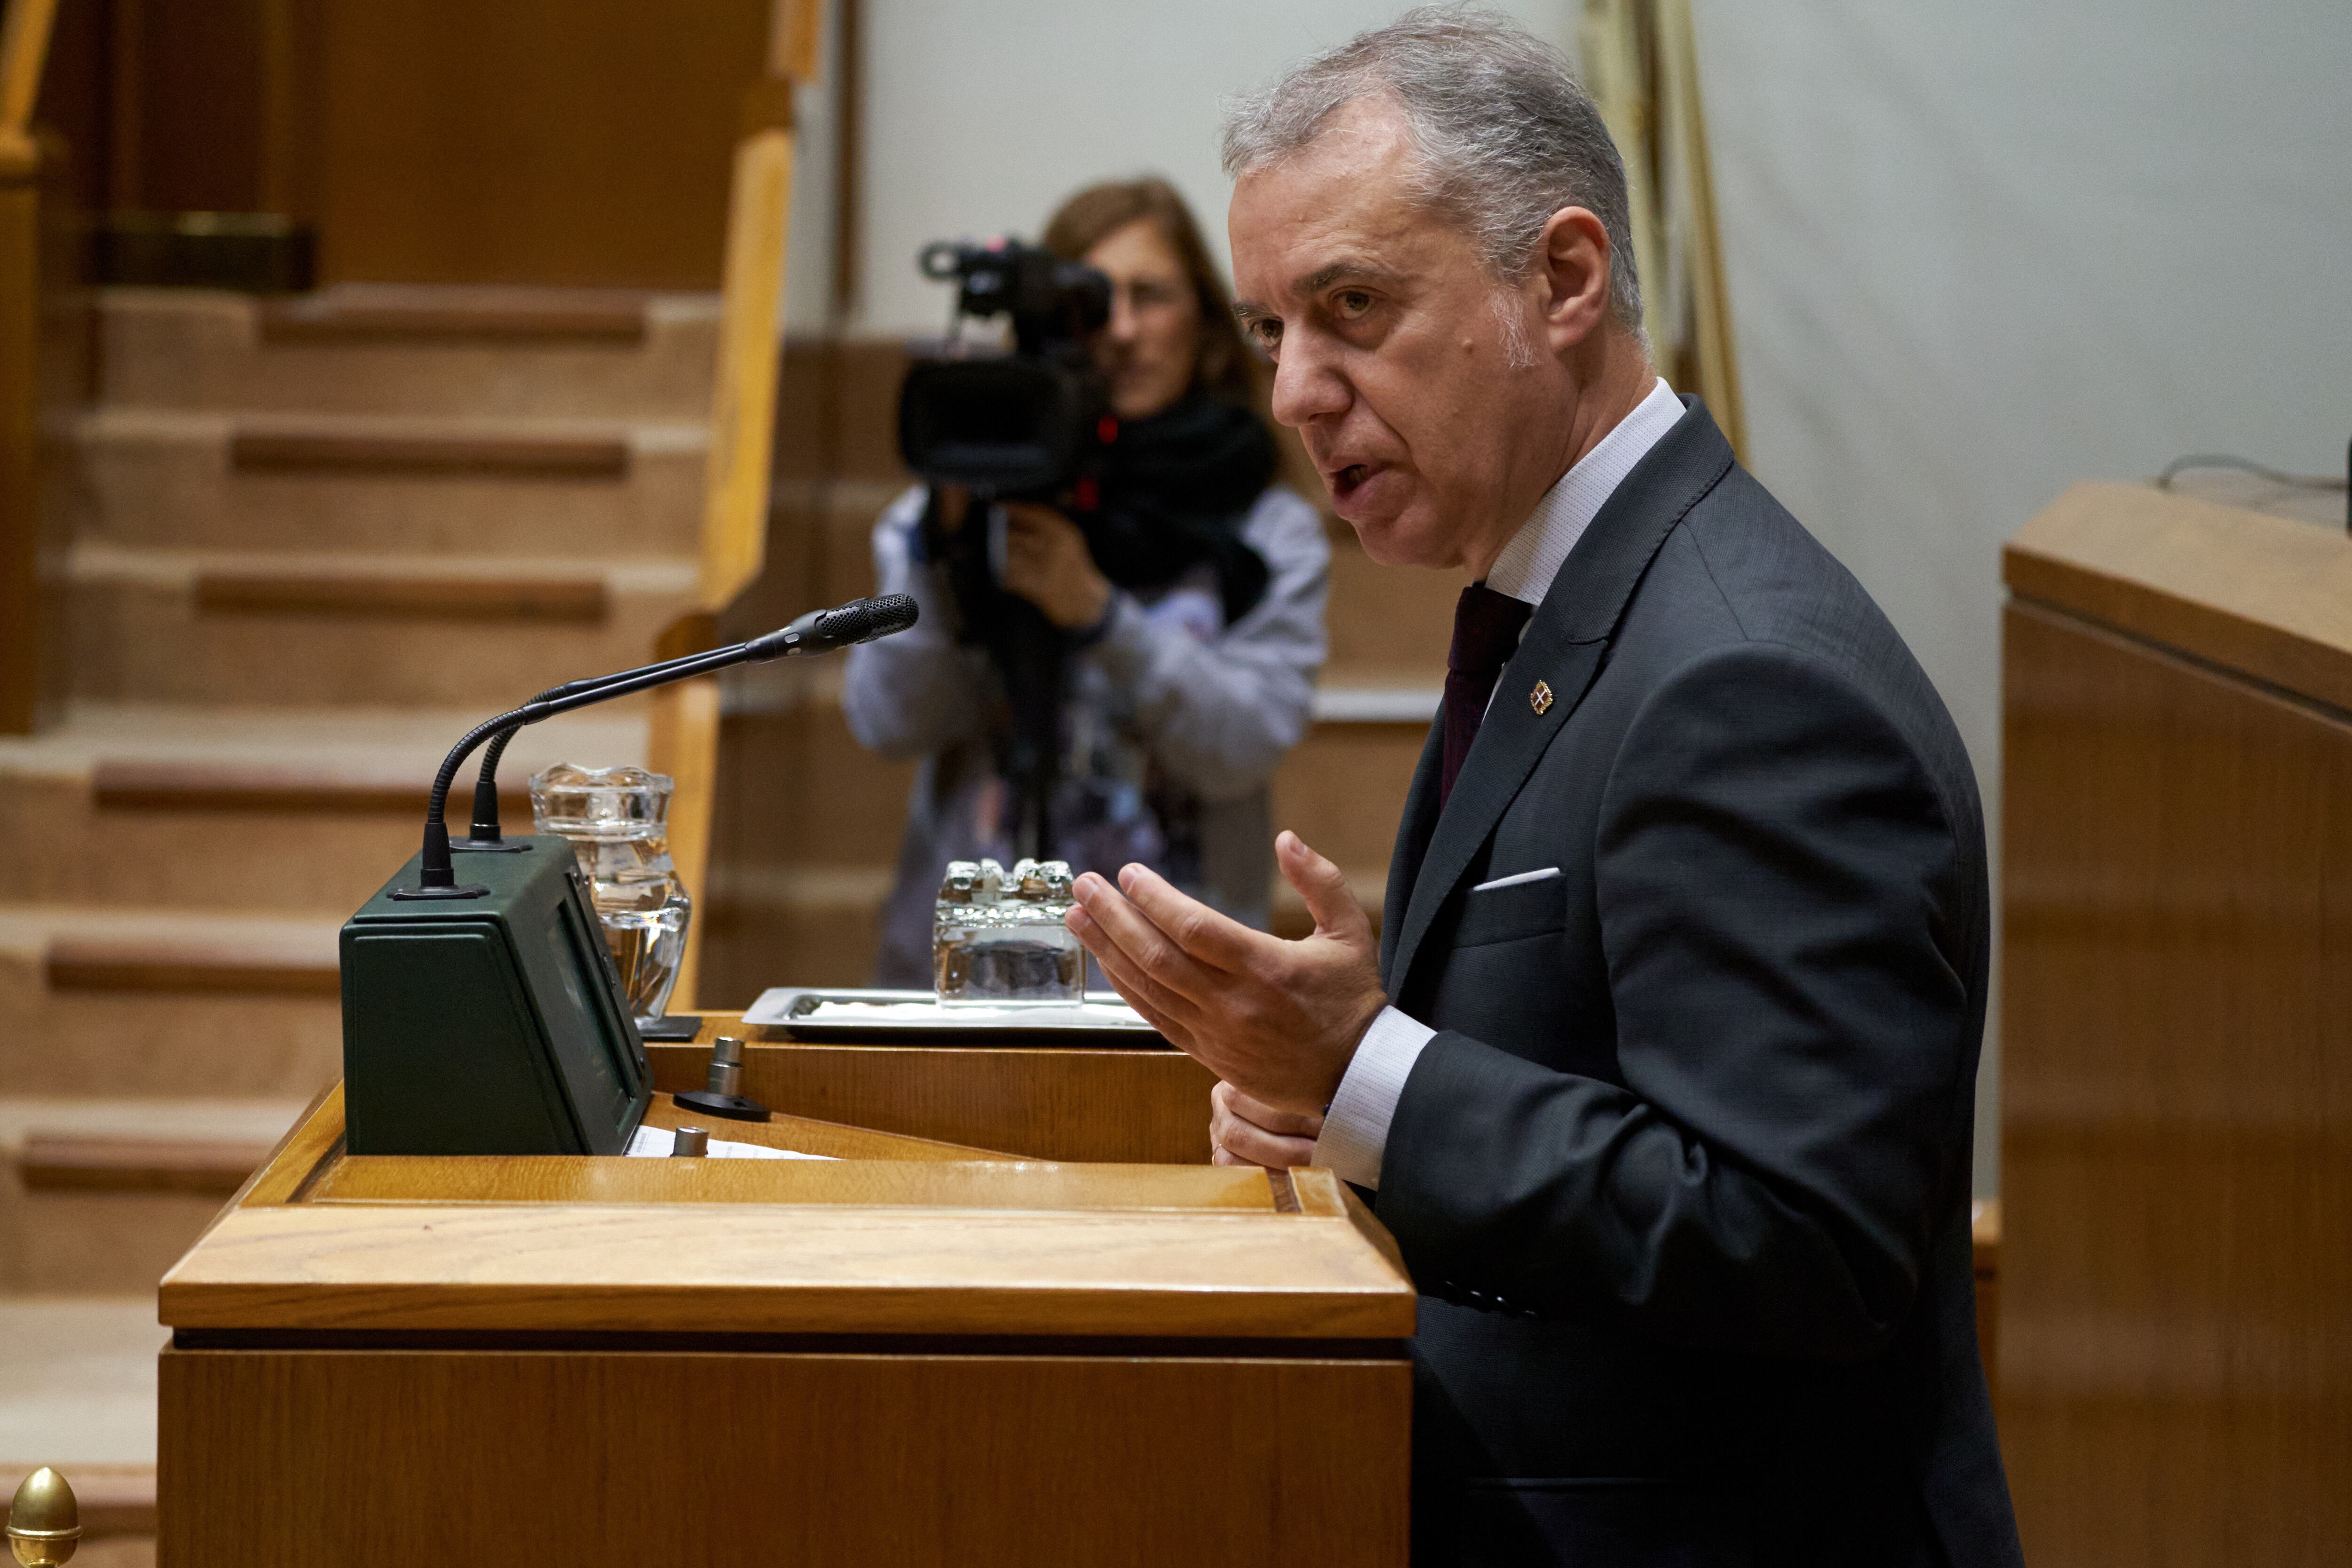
24 53
743 404
684 738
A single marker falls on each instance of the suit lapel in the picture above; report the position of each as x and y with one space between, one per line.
1564 647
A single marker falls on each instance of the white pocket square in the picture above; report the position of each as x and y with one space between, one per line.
1514 880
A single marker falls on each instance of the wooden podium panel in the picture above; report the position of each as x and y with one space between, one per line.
918 1353
577 1457
1144 1103
2177 1035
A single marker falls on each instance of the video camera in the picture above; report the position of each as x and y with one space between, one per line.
1016 424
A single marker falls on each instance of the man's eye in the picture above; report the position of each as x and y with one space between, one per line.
1266 335
1350 303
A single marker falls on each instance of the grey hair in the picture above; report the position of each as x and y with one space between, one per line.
1505 135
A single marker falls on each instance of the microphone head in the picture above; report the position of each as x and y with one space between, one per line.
864 620
822 631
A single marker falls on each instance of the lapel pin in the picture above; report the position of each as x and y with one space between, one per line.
1539 699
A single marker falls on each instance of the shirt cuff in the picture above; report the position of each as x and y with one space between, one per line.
1356 1127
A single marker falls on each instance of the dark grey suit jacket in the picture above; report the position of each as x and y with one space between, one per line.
1683 1176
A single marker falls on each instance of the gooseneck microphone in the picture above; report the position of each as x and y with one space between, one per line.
485 835
818 631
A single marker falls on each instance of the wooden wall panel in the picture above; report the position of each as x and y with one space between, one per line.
532 142
285 1459
189 104
74 108
2176 1342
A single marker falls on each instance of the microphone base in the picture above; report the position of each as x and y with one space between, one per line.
492 846
469 890
733 1107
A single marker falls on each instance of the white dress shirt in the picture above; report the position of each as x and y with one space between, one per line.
1356 1126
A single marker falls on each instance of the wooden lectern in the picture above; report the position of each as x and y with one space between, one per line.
920 1353
2176 1367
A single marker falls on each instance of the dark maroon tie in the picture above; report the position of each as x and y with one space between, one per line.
1486 627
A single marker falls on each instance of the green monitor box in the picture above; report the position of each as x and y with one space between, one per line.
493 1025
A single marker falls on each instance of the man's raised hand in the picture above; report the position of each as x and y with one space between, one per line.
1278 1020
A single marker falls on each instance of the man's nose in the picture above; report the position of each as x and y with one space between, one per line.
1307 387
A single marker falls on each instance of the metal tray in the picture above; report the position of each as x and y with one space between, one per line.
901 1018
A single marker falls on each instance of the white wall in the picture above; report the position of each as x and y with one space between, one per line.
979 118
1981 248
808 259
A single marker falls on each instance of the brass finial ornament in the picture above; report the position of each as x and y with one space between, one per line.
44 1521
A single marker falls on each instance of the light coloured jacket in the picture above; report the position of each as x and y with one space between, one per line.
1166 694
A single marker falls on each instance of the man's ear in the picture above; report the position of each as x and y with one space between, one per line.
1572 266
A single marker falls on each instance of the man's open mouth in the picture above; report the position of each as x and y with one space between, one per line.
1346 479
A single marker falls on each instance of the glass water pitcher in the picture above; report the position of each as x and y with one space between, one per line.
617 821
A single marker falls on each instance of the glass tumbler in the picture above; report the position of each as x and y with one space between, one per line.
617 822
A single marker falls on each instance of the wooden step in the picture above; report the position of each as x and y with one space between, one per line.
280 848
134 785
77 1390
391 312
289 811
576 601
193 627
100 1197
254 450
160 1004
354 485
165 965
51 1163
409 350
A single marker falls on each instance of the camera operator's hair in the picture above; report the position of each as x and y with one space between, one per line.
1506 136
1224 367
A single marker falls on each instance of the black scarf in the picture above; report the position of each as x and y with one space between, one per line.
1174 491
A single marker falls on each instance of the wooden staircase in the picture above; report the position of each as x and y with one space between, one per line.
312 543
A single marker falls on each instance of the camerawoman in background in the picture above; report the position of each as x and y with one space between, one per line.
1166 613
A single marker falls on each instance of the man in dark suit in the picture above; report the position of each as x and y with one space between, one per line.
1662 1073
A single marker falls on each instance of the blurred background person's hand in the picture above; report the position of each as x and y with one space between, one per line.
1047 563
